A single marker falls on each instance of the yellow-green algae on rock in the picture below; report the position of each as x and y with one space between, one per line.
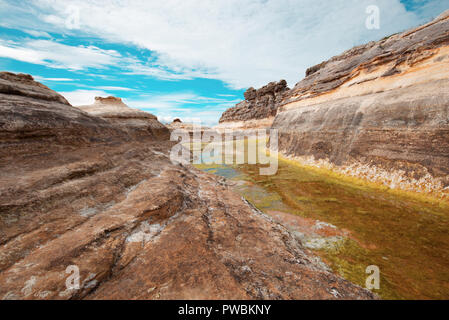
404 234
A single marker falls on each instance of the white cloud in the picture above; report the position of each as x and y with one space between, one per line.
83 97
38 34
165 73
244 43
58 55
185 105
111 88
226 95
42 79
177 100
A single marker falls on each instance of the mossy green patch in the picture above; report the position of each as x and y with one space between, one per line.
405 235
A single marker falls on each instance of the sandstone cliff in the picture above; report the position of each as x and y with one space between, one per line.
133 120
78 191
257 110
378 111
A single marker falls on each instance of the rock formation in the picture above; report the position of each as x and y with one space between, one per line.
80 193
35 119
257 110
190 128
378 111
133 120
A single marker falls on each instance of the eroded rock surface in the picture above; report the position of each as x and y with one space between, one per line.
79 191
258 109
35 119
132 120
379 111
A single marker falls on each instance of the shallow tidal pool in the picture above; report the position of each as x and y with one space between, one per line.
405 235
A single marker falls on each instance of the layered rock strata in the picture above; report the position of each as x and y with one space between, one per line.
133 120
257 110
379 111
35 119
79 193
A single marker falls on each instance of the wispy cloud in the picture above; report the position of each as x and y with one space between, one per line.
187 106
58 55
42 79
243 43
37 34
165 73
176 100
83 97
111 88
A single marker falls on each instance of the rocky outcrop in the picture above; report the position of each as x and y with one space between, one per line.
379 111
195 130
25 86
132 120
35 119
114 207
257 110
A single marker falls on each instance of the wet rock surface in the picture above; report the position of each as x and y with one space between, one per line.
80 190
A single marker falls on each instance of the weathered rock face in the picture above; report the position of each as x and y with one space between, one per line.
133 120
258 109
379 111
135 225
195 131
25 86
35 119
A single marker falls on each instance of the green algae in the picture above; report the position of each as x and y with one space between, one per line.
405 234
406 237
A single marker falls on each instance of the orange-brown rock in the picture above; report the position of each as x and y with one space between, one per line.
77 190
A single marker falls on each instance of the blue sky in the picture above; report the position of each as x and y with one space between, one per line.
191 59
